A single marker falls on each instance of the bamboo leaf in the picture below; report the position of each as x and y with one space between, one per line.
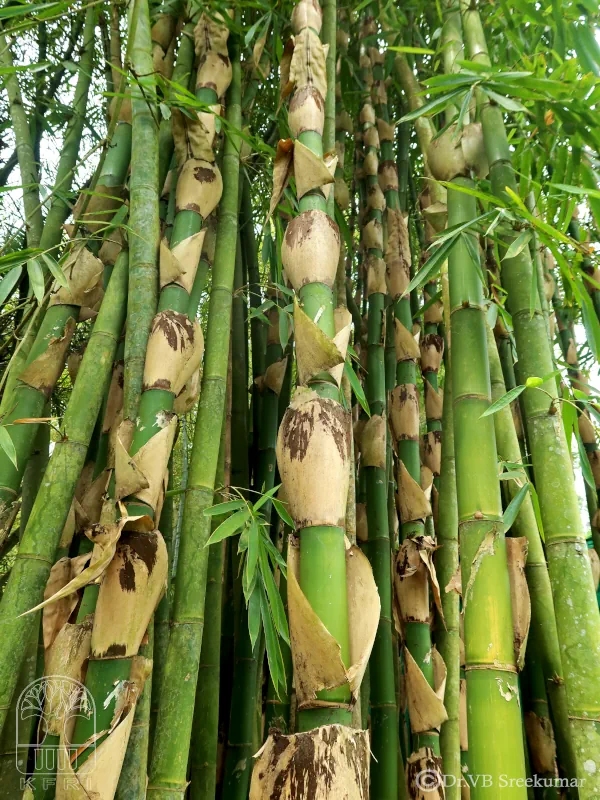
36 279
584 463
274 657
416 50
581 191
266 496
467 238
519 244
434 263
569 418
55 270
254 615
229 527
503 401
252 553
438 104
514 507
275 603
515 475
505 102
8 283
18 257
591 324
224 508
6 443
275 555
543 226
284 327
356 387
283 514
344 229
537 510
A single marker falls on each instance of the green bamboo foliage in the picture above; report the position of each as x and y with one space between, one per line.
314 435
577 616
40 539
374 460
168 770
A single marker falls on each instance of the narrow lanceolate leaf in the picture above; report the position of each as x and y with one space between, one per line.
591 324
254 615
416 50
252 554
283 514
518 245
266 496
432 266
36 278
438 104
537 510
55 269
513 507
274 554
8 283
6 443
275 603
224 508
274 657
356 387
229 527
583 462
503 401
505 102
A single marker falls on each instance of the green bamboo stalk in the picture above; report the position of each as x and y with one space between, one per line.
257 330
240 739
204 747
27 165
536 713
322 554
168 769
36 554
543 636
447 565
570 574
59 207
492 687
143 210
134 772
203 766
162 614
55 322
384 726
17 733
578 381
34 472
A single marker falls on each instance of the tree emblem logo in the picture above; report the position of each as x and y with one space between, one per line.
48 708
